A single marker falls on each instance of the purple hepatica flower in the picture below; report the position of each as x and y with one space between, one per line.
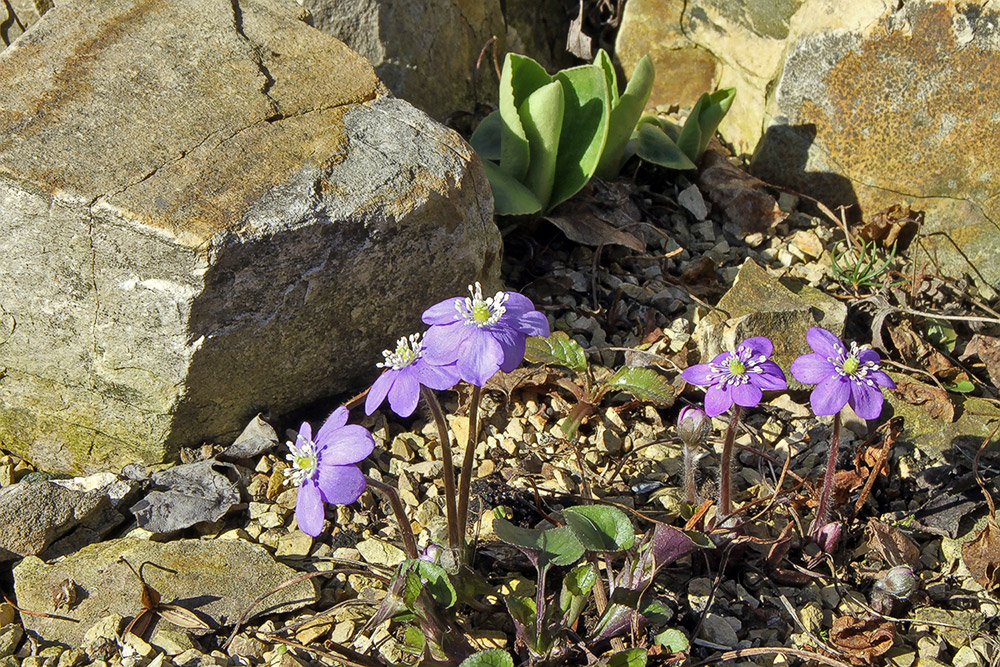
483 335
405 370
737 377
324 469
841 376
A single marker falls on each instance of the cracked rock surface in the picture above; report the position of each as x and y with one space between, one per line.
192 194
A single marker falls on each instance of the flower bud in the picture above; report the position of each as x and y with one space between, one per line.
693 426
899 582
828 536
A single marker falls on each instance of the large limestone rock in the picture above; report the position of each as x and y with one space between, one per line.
16 16
208 209
215 579
857 103
425 52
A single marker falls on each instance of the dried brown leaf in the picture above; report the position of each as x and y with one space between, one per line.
522 377
987 348
577 43
862 639
891 545
593 225
982 555
935 400
181 617
740 195
894 224
921 354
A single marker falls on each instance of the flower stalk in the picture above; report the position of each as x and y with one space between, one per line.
823 509
405 529
451 506
465 481
726 466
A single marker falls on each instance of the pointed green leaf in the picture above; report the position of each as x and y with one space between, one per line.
643 383
624 117
420 575
715 110
600 527
520 77
510 196
584 130
635 657
655 146
486 137
603 60
558 349
495 657
542 118
690 139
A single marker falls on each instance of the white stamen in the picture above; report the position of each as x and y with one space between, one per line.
302 455
408 350
479 311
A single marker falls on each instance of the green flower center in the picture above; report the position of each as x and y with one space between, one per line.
736 367
480 311
408 350
304 459
851 365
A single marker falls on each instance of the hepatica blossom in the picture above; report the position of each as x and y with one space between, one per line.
737 377
481 334
842 376
405 370
324 468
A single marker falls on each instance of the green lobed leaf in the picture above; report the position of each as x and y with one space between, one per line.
584 130
643 383
520 77
961 387
542 118
625 115
576 588
486 137
495 657
635 657
420 575
510 196
600 527
414 640
655 146
673 640
557 349
555 546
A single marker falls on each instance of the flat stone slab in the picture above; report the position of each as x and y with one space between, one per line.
215 579
209 209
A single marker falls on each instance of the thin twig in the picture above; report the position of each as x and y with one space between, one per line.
769 650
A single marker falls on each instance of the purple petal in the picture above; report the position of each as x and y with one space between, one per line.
480 357
341 485
405 392
348 444
812 368
442 342
717 400
866 401
379 390
759 345
830 396
436 377
699 374
770 377
532 323
336 419
513 352
882 379
867 355
444 312
306 431
517 304
720 359
309 512
746 395
824 342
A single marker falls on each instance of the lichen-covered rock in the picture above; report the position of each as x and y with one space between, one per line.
759 304
215 579
869 104
208 209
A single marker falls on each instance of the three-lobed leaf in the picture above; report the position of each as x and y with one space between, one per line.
601 528
552 546
635 657
557 349
496 657
643 383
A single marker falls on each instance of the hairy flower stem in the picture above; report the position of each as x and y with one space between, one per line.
465 481
405 529
726 466
690 465
451 506
823 509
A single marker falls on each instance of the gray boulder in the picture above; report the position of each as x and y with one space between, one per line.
215 579
208 209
